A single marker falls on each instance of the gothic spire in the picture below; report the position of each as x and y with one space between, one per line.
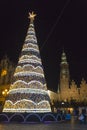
63 58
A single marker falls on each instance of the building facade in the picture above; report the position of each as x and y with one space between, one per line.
68 90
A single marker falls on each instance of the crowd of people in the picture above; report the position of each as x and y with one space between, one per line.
82 117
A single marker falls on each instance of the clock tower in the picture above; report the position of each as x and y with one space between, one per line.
64 76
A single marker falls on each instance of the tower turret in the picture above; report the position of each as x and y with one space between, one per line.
64 67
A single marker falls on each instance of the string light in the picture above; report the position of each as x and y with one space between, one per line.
28 92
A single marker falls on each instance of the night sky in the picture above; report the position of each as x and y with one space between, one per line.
59 24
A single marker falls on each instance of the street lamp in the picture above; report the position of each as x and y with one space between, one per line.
62 103
5 92
4 72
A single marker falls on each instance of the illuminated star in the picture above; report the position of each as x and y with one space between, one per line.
31 16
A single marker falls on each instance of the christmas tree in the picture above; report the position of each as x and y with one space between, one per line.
28 92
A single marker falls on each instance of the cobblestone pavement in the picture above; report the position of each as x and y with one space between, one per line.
66 125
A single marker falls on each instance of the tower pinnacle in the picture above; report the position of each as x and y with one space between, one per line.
31 16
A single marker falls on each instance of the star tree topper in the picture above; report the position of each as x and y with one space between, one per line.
31 16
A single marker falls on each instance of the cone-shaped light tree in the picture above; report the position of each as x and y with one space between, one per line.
28 92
